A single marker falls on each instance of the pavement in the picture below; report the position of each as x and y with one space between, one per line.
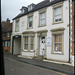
63 68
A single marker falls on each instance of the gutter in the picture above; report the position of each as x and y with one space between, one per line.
69 31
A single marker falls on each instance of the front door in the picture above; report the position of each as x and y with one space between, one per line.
42 46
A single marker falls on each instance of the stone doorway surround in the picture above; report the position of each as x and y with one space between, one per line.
41 33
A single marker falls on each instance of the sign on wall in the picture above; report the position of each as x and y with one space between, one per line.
48 42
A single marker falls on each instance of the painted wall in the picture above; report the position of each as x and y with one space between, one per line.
49 26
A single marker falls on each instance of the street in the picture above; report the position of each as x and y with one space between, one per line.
14 67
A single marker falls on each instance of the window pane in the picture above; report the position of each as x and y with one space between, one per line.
5 43
30 24
17 25
58 42
42 18
30 21
60 47
60 38
42 22
56 38
31 47
32 43
57 10
8 43
56 47
58 14
26 42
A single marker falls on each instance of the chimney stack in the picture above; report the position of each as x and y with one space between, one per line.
8 21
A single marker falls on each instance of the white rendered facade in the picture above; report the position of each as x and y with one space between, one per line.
49 30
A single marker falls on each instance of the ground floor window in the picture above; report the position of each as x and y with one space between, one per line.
26 43
29 42
3 43
57 42
6 43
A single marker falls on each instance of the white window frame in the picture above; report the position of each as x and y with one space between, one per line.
58 33
55 6
30 42
17 26
58 15
43 19
55 42
26 43
30 19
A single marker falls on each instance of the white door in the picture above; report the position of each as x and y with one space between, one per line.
42 46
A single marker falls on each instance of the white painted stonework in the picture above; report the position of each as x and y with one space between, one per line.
49 26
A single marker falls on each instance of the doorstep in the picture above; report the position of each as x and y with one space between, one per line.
57 62
22 56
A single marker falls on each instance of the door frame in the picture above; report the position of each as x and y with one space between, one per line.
40 46
39 34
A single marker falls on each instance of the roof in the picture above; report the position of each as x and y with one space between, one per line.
38 6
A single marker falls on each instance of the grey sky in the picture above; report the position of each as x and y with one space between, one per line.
11 8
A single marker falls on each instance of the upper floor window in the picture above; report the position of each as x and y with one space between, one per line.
8 35
58 14
42 19
30 21
17 26
31 6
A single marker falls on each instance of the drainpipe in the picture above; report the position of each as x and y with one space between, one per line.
69 31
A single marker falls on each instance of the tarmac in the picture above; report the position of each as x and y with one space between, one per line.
47 64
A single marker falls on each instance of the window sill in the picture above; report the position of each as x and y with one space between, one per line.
16 31
42 26
57 23
29 28
28 50
59 53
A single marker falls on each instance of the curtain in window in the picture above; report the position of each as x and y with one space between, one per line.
58 14
31 43
58 42
26 43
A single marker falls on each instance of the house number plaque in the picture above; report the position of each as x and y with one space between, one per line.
48 41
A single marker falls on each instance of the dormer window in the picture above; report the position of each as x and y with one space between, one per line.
24 10
30 7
